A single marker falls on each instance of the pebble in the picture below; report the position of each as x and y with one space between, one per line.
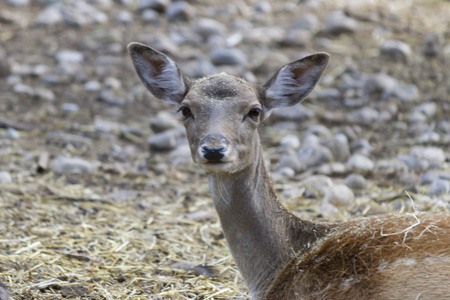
414 163
327 94
339 195
166 140
406 93
293 113
70 56
338 146
396 51
361 146
150 16
290 161
92 86
180 11
163 121
290 141
319 130
331 168
439 187
21 88
263 7
297 37
156 5
337 23
435 156
319 183
308 22
356 181
359 162
12 133
428 109
228 56
430 176
106 126
366 114
432 45
314 155
63 165
18 2
5 177
50 15
69 107
45 94
181 155
379 86
208 27
124 17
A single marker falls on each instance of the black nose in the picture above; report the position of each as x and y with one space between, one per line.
213 153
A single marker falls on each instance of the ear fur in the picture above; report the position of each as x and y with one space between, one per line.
294 81
160 75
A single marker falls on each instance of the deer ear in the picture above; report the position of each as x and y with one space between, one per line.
160 75
293 82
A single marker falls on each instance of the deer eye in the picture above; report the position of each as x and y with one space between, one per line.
254 113
185 111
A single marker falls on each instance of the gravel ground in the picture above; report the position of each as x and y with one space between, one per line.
99 198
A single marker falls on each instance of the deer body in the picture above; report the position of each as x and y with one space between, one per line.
279 255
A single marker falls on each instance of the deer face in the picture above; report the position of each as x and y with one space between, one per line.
221 113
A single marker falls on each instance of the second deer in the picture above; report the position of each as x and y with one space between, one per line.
280 256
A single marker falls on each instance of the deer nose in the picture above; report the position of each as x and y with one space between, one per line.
213 153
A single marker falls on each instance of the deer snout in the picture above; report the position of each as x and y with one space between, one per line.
214 147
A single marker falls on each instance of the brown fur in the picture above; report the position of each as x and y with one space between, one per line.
391 257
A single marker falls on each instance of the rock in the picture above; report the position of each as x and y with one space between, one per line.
379 86
327 94
435 156
209 27
51 15
63 165
359 162
164 121
307 21
69 107
18 2
198 68
289 160
417 117
69 56
414 163
439 187
40 70
361 146
290 141
150 16
166 140
12 133
366 114
285 172
314 155
396 51
181 155
21 88
331 168
5 177
406 93
355 181
339 195
106 126
263 7
124 17
338 146
432 45
92 86
112 83
431 176
317 183
337 23
297 37
180 11
156 5
44 94
428 109
293 113
5 67
228 56
319 130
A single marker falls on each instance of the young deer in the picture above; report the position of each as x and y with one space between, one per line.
279 255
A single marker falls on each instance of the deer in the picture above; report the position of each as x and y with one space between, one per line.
279 255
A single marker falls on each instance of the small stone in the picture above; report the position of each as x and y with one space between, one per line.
11 133
308 22
379 86
339 195
319 130
150 16
21 88
355 181
69 107
166 140
361 146
156 5
181 155
50 15
359 162
293 113
327 94
297 37
45 94
431 176
290 141
432 45
124 17
63 165
319 183
112 83
428 109
434 155
228 56
314 155
106 126
290 161
92 86
18 2
396 51
5 177
263 7
414 163
69 56
209 27
331 168
40 70
163 121
439 187
366 114
337 23
180 11
417 117
286 172
338 146
406 93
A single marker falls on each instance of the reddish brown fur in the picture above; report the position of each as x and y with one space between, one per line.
391 257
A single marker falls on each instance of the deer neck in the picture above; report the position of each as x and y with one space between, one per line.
261 233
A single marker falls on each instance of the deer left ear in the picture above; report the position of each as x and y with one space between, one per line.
294 81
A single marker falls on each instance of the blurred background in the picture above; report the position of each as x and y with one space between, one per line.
99 198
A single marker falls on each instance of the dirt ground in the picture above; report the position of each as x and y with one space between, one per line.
132 223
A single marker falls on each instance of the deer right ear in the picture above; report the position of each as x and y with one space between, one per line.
160 75
293 82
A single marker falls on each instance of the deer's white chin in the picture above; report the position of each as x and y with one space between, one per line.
218 167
